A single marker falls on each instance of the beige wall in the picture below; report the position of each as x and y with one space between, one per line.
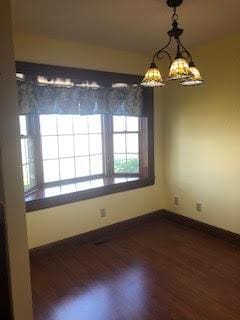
11 190
202 139
71 54
196 141
53 224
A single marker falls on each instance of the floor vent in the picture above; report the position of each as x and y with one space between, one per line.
100 242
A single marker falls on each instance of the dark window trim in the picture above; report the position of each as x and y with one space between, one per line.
104 78
107 189
32 70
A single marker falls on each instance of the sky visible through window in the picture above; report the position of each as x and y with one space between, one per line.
71 146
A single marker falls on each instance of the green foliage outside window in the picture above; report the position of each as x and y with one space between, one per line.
129 166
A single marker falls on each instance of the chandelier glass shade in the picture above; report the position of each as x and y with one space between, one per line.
179 69
195 77
183 67
153 77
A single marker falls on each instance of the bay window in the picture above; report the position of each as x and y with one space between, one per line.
72 155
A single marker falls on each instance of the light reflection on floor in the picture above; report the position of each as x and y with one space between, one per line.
98 302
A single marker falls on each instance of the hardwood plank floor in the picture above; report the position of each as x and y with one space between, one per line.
159 270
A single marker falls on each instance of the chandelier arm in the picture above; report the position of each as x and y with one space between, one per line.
185 50
162 50
168 54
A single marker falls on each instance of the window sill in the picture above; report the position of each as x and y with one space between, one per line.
67 193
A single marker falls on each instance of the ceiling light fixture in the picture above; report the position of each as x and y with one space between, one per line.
183 67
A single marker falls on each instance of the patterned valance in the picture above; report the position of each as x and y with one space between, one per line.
49 99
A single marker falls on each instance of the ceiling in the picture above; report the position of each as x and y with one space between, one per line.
136 25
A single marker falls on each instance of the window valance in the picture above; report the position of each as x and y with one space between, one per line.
49 99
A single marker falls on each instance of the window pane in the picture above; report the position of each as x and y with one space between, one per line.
23 150
132 143
26 150
82 167
48 124
30 149
81 145
26 181
132 123
66 146
95 141
67 168
32 174
49 147
65 124
96 165
80 124
23 125
120 164
119 143
132 163
51 170
119 123
94 124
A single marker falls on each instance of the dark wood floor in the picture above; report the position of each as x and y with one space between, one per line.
160 270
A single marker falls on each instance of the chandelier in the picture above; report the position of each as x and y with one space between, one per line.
182 68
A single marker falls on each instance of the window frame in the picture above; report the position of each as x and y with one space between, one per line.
29 136
146 137
126 132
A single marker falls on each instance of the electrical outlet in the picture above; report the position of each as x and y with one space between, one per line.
199 207
176 201
103 213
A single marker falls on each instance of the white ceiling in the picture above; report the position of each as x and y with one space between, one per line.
136 25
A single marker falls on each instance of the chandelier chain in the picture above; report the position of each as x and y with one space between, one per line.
175 15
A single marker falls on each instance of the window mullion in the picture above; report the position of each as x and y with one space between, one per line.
110 140
143 147
108 145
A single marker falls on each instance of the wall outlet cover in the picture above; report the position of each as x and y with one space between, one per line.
103 213
199 207
176 201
